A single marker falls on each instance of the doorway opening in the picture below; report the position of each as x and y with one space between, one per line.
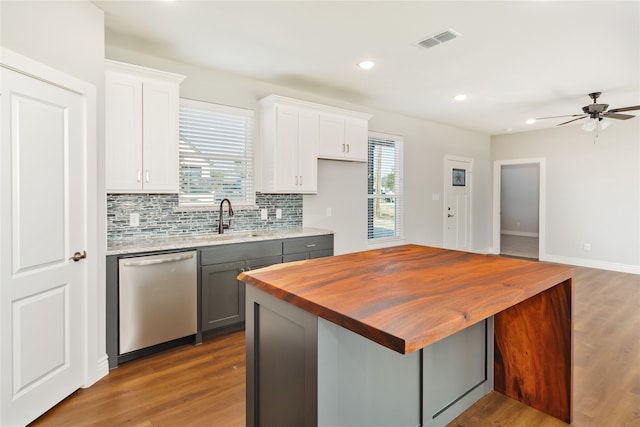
519 208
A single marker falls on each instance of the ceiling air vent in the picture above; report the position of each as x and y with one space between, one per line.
439 38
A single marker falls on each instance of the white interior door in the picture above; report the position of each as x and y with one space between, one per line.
457 206
42 206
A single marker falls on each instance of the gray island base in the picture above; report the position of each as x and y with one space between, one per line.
405 336
303 370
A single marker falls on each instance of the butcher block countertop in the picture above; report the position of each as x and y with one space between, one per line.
407 297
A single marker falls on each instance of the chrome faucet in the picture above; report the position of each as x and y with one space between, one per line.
222 225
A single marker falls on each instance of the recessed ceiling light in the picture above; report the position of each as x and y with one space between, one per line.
366 65
530 121
460 97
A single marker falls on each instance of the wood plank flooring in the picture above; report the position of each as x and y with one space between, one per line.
204 385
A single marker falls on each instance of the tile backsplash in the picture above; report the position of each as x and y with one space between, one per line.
160 216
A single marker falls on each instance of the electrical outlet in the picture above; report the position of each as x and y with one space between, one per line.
264 214
329 212
134 219
435 196
587 247
278 213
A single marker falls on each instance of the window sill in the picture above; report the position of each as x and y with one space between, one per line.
385 242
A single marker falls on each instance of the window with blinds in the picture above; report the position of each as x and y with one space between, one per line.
216 154
384 186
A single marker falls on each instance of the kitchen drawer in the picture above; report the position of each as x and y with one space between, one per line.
308 244
240 251
254 264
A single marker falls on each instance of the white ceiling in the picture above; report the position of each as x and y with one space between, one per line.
515 60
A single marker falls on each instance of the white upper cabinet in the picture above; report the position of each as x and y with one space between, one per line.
289 147
141 129
294 134
343 137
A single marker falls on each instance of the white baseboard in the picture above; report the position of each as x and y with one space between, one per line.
102 369
519 233
601 265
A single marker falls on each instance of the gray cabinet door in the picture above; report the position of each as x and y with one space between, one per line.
222 295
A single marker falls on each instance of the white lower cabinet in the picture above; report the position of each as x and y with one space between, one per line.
141 129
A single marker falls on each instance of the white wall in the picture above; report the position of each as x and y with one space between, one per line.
519 191
342 185
592 191
69 36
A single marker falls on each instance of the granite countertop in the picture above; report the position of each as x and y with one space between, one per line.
194 241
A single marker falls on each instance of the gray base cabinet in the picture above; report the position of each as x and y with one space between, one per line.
307 248
221 296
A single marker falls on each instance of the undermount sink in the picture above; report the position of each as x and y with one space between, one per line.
235 235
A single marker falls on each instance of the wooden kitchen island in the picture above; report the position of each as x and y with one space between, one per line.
405 336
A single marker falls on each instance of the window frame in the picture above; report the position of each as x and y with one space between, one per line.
249 199
398 191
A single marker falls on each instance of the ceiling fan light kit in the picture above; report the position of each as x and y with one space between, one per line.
598 114
590 125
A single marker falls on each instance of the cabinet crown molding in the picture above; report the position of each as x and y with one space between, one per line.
111 65
307 105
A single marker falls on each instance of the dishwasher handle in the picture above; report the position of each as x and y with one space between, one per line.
141 263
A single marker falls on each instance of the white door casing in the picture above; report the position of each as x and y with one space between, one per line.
497 184
458 174
43 183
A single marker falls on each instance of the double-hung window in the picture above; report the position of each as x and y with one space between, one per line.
384 187
216 154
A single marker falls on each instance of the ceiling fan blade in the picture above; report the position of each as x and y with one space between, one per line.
556 117
617 110
618 116
573 120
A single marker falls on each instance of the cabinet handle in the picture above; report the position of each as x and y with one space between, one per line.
312 245
300 179
343 148
147 175
347 148
142 263
139 175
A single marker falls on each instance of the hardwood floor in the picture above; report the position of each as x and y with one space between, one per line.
606 375
519 246
199 386
204 385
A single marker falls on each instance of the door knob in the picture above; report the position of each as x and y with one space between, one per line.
78 256
450 216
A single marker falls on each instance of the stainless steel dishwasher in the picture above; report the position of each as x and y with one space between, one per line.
157 299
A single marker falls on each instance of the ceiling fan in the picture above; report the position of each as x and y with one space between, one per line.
596 112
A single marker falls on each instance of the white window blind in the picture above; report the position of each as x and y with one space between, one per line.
385 192
216 154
